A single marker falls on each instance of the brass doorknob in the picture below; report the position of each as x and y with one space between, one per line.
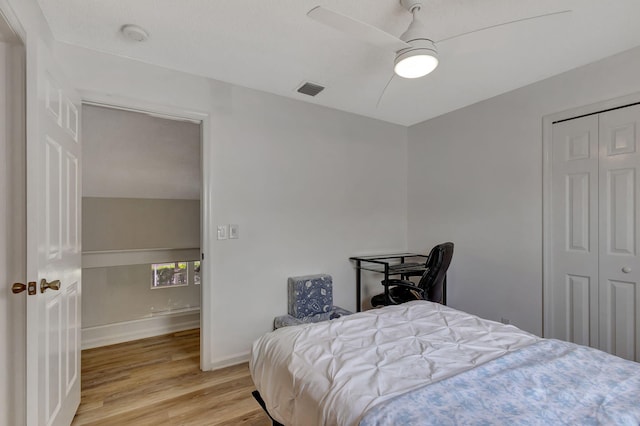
53 285
18 288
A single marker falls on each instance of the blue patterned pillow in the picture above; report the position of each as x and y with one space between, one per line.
310 295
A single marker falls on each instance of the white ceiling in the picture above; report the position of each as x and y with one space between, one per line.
271 45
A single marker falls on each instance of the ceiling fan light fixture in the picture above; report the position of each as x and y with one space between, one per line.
415 66
418 61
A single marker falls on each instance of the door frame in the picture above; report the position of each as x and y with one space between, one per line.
206 210
547 208
16 338
12 19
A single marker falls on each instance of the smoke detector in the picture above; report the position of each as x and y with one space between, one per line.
134 33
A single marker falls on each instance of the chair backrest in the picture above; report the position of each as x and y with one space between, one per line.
438 262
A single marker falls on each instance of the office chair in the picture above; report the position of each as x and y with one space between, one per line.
430 286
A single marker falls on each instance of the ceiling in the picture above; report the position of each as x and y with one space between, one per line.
271 45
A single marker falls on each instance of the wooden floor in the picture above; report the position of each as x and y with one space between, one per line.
157 381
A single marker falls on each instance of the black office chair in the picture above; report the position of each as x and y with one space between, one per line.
431 284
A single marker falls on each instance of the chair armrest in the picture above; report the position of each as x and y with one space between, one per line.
401 283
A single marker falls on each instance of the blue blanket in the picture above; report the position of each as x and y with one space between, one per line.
548 383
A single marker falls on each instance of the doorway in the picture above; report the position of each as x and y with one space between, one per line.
141 208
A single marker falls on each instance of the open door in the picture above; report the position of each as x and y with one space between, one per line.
53 244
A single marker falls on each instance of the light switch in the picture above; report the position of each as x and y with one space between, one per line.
234 232
222 232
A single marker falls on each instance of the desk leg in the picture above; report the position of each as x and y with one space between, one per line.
358 289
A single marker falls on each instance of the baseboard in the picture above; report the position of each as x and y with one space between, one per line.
110 334
228 361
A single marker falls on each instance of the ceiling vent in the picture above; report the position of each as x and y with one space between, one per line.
310 89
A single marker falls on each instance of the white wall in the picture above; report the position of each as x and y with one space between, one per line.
309 187
475 178
132 155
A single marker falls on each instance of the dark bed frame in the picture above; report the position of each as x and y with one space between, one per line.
258 398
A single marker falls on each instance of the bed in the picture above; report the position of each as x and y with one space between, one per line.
425 363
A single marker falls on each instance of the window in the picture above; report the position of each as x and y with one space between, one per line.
196 272
175 274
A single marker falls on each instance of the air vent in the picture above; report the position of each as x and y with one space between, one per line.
310 89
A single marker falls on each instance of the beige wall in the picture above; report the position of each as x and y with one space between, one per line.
121 293
134 223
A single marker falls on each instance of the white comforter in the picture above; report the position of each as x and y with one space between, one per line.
331 373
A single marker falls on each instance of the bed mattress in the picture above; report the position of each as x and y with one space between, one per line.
333 372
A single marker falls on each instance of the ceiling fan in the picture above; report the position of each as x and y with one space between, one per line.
416 52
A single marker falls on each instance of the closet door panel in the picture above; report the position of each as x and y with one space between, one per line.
619 208
619 328
574 314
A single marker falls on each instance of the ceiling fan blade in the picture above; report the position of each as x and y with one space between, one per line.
504 23
385 89
361 30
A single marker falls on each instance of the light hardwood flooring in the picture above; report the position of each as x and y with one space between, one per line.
157 381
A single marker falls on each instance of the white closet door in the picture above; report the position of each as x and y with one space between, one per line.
619 228
574 205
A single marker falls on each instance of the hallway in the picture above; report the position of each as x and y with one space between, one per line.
157 381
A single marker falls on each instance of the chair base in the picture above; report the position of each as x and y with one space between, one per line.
396 296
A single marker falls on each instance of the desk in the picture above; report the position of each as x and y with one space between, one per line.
388 264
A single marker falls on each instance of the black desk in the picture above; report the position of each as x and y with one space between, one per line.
387 264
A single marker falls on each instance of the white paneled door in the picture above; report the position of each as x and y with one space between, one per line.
619 194
53 246
595 266
575 231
